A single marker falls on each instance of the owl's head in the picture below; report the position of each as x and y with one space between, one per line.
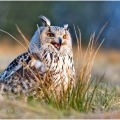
58 38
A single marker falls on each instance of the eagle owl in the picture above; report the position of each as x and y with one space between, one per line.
49 59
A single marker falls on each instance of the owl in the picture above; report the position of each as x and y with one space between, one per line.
48 61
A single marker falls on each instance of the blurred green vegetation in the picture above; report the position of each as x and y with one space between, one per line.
90 16
24 14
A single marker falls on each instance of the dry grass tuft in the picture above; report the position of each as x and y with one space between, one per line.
84 63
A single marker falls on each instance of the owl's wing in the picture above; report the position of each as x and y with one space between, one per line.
15 65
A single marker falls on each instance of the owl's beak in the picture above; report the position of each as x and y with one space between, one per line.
58 44
60 41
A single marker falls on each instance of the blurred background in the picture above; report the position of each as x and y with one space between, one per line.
89 16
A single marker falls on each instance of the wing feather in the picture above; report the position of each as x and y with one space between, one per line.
15 65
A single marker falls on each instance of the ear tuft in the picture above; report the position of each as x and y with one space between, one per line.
66 27
45 21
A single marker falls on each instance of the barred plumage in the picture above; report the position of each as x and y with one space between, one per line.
49 53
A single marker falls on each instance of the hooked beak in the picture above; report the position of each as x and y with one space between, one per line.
58 44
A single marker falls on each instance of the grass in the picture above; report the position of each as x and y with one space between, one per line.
89 99
97 101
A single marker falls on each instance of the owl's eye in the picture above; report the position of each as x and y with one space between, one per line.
64 36
50 35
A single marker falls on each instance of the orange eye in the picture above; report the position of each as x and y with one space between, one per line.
50 34
64 36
